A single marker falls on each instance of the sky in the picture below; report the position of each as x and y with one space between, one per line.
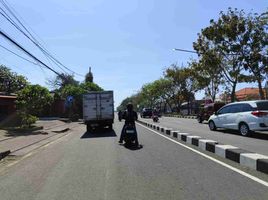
126 43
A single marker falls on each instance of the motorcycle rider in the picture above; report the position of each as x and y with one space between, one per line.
155 115
130 116
120 115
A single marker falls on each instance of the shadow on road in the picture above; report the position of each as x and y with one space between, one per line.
99 133
132 147
255 135
16 133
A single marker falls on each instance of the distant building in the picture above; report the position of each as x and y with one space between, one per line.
248 94
192 108
7 105
244 94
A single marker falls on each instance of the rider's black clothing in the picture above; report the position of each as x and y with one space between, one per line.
129 116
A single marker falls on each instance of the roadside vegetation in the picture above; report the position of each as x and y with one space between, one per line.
35 101
231 50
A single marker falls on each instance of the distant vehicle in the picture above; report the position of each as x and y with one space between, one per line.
208 110
146 112
244 116
98 109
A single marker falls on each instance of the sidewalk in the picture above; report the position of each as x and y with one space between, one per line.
22 143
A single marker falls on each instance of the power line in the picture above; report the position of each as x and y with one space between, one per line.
5 15
33 39
27 52
17 55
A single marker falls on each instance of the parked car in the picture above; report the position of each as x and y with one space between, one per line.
146 112
207 110
246 117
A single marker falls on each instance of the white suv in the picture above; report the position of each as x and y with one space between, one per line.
245 116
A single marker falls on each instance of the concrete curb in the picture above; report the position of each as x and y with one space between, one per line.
180 116
252 160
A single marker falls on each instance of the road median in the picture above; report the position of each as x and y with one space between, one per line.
245 158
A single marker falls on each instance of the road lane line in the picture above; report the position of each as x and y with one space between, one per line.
211 158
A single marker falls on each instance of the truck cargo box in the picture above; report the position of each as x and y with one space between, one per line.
98 109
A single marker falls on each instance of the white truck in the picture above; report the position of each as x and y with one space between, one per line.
98 109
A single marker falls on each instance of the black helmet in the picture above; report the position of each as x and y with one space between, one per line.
129 106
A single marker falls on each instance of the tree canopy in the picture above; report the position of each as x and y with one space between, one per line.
11 82
231 50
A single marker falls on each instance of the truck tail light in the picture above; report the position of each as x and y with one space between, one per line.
259 113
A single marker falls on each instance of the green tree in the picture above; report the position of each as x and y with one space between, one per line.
189 88
89 86
149 94
123 104
62 80
255 55
165 91
32 101
183 82
208 75
226 39
77 91
11 82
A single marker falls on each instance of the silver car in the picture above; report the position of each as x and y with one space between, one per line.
244 116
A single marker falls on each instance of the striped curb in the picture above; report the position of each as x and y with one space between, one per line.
262 165
206 144
250 159
175 134
221 149
181 116
168 131
234 154
190 140
183 136
245 158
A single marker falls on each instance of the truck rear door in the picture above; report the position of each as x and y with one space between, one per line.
90 107
106 105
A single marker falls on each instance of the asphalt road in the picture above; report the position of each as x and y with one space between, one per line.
93 166
257 143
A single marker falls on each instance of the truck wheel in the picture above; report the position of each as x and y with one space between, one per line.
110 127
89 128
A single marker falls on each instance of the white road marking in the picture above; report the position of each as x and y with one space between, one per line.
213 159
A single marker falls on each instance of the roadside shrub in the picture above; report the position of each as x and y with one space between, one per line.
74 117
27 120
33 100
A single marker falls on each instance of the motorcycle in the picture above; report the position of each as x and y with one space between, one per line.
130 134
155 118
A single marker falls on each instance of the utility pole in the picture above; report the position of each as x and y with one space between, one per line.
266 89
